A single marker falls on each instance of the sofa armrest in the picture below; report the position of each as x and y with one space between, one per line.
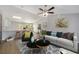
75 43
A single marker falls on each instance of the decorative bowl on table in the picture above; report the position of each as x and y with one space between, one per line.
31 45
42 43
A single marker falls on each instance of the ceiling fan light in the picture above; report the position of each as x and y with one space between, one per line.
45 14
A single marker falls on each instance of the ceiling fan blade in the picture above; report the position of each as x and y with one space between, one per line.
51 12
51 8
41 9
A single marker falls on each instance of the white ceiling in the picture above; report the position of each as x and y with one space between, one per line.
10 11
29 12
59 9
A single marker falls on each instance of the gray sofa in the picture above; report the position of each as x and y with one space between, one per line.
65 43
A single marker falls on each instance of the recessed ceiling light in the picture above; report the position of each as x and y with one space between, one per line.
16 17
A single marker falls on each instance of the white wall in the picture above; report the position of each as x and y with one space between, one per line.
51 20
9 27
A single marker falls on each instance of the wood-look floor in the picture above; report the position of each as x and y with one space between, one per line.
9 47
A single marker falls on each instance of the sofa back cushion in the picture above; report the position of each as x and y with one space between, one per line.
59 34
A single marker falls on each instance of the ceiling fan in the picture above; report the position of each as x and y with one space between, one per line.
45 11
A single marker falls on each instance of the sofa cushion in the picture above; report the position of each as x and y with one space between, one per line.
60 41
65 42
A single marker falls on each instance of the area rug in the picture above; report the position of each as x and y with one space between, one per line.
48 50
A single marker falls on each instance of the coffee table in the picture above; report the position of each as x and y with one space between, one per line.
32 47
43 44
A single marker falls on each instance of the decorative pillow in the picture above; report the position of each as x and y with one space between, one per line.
59 34
44 32
68 36
65 35
53 34
49 33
